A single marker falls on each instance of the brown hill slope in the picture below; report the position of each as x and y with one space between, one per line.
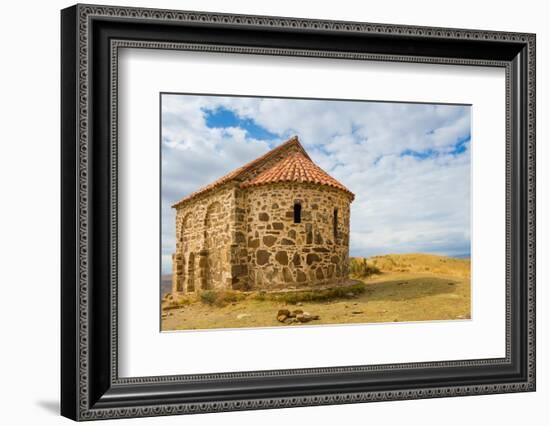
419 263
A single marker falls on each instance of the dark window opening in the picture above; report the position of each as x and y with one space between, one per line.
297 213
335 224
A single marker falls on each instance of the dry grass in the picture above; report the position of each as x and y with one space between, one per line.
421 263
359 267
321 295
415 287
221 298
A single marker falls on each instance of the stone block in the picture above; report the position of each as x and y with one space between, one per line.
239 270
312 258
269 240
262 257
281 257
287 275
253 243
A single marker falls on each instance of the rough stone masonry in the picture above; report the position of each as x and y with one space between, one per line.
278 222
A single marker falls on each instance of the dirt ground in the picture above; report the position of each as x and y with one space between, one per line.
389 297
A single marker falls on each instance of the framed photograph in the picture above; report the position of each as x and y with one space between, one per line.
263 212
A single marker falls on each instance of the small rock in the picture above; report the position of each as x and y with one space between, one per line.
281 318
302 318
243 316
284 312
350 294
306 317
299 304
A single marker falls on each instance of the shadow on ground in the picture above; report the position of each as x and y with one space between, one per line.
407 289
50 406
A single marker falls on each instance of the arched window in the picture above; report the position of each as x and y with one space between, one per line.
335 224
297 213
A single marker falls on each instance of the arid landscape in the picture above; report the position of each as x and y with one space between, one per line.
390 288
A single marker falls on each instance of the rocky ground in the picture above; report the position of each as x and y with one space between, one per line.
399 293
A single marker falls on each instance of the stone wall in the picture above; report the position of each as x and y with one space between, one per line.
204 235
284 254
247 239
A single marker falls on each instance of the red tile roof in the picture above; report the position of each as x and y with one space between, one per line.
296 166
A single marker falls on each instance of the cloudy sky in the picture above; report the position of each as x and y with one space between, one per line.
408 164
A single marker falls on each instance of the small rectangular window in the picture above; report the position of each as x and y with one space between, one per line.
335 224
297 213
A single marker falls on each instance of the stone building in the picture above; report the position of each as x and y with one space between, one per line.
278 222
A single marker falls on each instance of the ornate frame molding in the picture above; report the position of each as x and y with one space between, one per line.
79 20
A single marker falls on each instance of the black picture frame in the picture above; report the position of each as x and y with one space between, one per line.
90 386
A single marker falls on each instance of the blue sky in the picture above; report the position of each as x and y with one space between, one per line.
408 164
221 118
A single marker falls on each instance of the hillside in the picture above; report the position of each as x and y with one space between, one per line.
418 263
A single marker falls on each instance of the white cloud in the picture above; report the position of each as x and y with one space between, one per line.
403 203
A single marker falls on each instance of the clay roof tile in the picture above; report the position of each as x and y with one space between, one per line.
296 166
